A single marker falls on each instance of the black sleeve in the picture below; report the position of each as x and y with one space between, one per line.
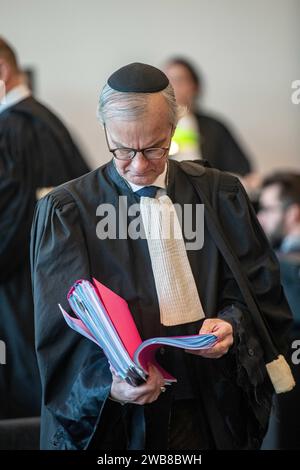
17 201
34 154
74 372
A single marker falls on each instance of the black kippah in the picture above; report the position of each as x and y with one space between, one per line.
138 78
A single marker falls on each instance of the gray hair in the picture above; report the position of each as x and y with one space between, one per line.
130 106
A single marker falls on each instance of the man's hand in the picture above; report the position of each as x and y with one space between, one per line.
145 393
223 330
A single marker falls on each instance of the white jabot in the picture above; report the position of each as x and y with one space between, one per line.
14 96
176 289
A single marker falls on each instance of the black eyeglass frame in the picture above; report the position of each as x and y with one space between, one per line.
135 151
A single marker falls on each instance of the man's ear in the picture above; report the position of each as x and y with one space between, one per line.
297 213
292 215
4 70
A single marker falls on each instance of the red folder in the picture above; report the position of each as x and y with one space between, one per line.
120 315
104 317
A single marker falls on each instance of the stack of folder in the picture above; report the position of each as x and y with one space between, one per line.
104 317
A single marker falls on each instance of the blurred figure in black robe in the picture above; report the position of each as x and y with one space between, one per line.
36 153
201 135
213 140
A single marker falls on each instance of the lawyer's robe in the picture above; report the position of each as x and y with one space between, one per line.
36 151
234 393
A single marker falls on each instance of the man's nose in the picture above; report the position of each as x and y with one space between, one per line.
139 161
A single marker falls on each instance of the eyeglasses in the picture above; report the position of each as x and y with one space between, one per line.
151 153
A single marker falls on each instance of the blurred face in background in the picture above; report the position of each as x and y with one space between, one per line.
186 90
271 214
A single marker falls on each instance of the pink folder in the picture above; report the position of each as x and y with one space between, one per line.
120 315
122 330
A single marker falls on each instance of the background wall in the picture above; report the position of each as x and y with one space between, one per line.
248 51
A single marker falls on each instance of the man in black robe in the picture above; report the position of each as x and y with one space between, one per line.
36 154
223 395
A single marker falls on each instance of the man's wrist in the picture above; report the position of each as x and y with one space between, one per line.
121 402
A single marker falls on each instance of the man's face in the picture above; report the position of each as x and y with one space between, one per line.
152 130
184 86
272 214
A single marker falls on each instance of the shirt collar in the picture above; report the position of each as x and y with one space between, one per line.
160 181
14 96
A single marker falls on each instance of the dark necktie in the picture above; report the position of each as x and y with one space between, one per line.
147 191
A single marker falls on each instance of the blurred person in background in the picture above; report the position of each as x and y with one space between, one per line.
199 135
279 215
279 212
36 153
